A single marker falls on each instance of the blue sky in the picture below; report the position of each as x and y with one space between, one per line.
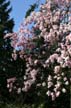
19 10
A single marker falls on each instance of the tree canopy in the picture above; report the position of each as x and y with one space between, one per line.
44 41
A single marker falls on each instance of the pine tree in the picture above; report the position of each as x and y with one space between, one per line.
6 25
9 68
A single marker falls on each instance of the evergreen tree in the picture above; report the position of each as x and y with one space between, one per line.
6 25
8 67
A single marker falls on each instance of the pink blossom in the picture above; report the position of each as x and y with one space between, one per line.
57 93
57 69
52 56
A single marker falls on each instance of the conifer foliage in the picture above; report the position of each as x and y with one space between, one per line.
6 23
6 26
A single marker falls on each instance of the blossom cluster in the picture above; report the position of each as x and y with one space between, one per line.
44 40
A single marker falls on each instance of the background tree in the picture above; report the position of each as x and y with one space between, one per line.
6 26
9 68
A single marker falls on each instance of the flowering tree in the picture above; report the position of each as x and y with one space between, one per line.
44 41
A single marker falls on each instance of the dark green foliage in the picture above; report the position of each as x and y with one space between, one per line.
9 68
32 8
6 26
